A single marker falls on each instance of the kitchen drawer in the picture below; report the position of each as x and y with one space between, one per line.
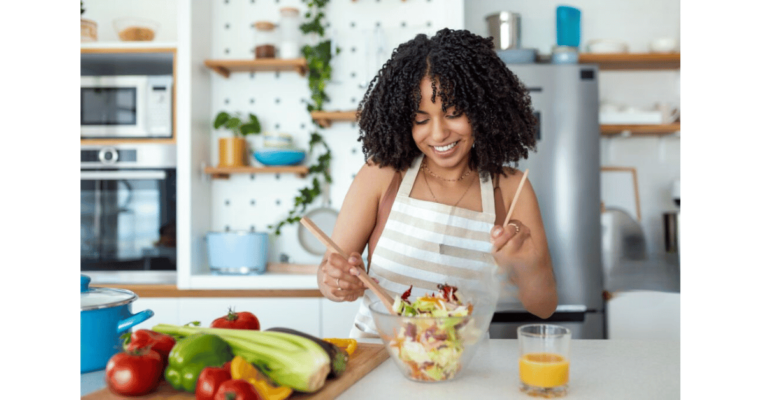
302 314
338 318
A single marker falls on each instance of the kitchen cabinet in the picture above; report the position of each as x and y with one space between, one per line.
302 314
338 318
645 315
316 316
165 311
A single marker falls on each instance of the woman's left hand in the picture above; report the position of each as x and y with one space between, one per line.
514 250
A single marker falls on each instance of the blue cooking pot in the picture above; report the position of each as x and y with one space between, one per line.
106 315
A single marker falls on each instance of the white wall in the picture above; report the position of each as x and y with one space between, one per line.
657 160
104 12
243 201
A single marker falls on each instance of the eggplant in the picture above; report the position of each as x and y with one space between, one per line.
338 356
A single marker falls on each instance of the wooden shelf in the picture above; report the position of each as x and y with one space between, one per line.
640 130
632 61
326 118
225 67
128 47
114 142
225 172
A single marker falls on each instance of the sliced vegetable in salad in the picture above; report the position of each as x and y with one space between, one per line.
432 348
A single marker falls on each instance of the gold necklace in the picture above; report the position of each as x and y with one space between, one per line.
436 200
424 165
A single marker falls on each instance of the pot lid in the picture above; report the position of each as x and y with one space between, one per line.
96 298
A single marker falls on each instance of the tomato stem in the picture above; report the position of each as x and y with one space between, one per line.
232 315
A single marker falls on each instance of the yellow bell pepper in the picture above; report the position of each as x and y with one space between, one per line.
349 345
241 369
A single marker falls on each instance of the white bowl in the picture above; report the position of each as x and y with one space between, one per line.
663 45
606 46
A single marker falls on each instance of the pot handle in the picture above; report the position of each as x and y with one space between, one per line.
126 324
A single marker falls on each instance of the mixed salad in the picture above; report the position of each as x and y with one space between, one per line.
432 347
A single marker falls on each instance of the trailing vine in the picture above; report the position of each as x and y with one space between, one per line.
318 58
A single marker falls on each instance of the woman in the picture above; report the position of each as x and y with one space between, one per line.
438 125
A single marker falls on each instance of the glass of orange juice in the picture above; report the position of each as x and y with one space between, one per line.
544 359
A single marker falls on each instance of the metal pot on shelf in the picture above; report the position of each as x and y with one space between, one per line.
237 252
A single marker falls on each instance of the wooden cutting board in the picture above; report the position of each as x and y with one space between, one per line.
365 359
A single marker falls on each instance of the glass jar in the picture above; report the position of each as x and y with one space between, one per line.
265 40
290 34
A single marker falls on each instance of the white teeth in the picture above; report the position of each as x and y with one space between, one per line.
444 148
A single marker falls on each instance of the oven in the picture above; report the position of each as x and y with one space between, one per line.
128 213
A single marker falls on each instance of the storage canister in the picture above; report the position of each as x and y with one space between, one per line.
265 40
504 27
290 34
568 26
237 252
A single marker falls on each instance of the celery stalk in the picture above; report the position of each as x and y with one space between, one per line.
289 360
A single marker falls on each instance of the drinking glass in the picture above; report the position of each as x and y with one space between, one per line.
544 359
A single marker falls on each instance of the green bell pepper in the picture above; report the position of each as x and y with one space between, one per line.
191 355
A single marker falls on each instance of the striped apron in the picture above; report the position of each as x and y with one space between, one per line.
425 244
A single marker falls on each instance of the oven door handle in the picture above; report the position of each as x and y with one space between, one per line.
122 175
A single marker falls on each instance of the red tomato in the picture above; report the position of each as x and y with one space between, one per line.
134 373
144 338
209 381
233 320
239 388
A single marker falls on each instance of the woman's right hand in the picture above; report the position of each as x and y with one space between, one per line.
340 281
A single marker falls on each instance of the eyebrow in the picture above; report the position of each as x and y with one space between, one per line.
421 112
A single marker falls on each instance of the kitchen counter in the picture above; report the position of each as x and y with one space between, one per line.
599 369
280 280
171 291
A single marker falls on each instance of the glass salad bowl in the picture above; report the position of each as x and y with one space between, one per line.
433 349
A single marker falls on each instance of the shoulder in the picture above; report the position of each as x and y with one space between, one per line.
373 179
509 181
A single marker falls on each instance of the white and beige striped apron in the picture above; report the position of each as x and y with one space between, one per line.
425 244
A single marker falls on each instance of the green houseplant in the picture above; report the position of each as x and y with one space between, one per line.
232 150
318 58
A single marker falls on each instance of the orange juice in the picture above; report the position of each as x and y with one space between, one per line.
544 370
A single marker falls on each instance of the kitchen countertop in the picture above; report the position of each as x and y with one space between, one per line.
599 369
280 280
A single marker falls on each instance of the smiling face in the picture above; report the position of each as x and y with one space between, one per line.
445 137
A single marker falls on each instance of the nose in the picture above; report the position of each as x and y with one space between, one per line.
439 131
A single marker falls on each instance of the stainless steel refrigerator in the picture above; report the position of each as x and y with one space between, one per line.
564 172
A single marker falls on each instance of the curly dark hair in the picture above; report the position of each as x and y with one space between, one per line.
470 77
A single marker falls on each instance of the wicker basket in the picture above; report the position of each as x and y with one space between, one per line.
89 31
132 29
137 34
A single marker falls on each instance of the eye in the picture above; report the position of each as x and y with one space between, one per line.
423 122
454 114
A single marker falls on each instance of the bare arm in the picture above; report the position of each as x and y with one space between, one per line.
353 228
526 253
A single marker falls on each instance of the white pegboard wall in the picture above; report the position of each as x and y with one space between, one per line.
366 31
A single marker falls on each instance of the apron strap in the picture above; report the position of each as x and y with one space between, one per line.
411 174
487 197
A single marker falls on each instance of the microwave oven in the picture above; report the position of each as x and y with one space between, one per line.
126 106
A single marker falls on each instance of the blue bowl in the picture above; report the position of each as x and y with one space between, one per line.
277 157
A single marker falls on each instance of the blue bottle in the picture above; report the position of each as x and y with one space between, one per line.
568 26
